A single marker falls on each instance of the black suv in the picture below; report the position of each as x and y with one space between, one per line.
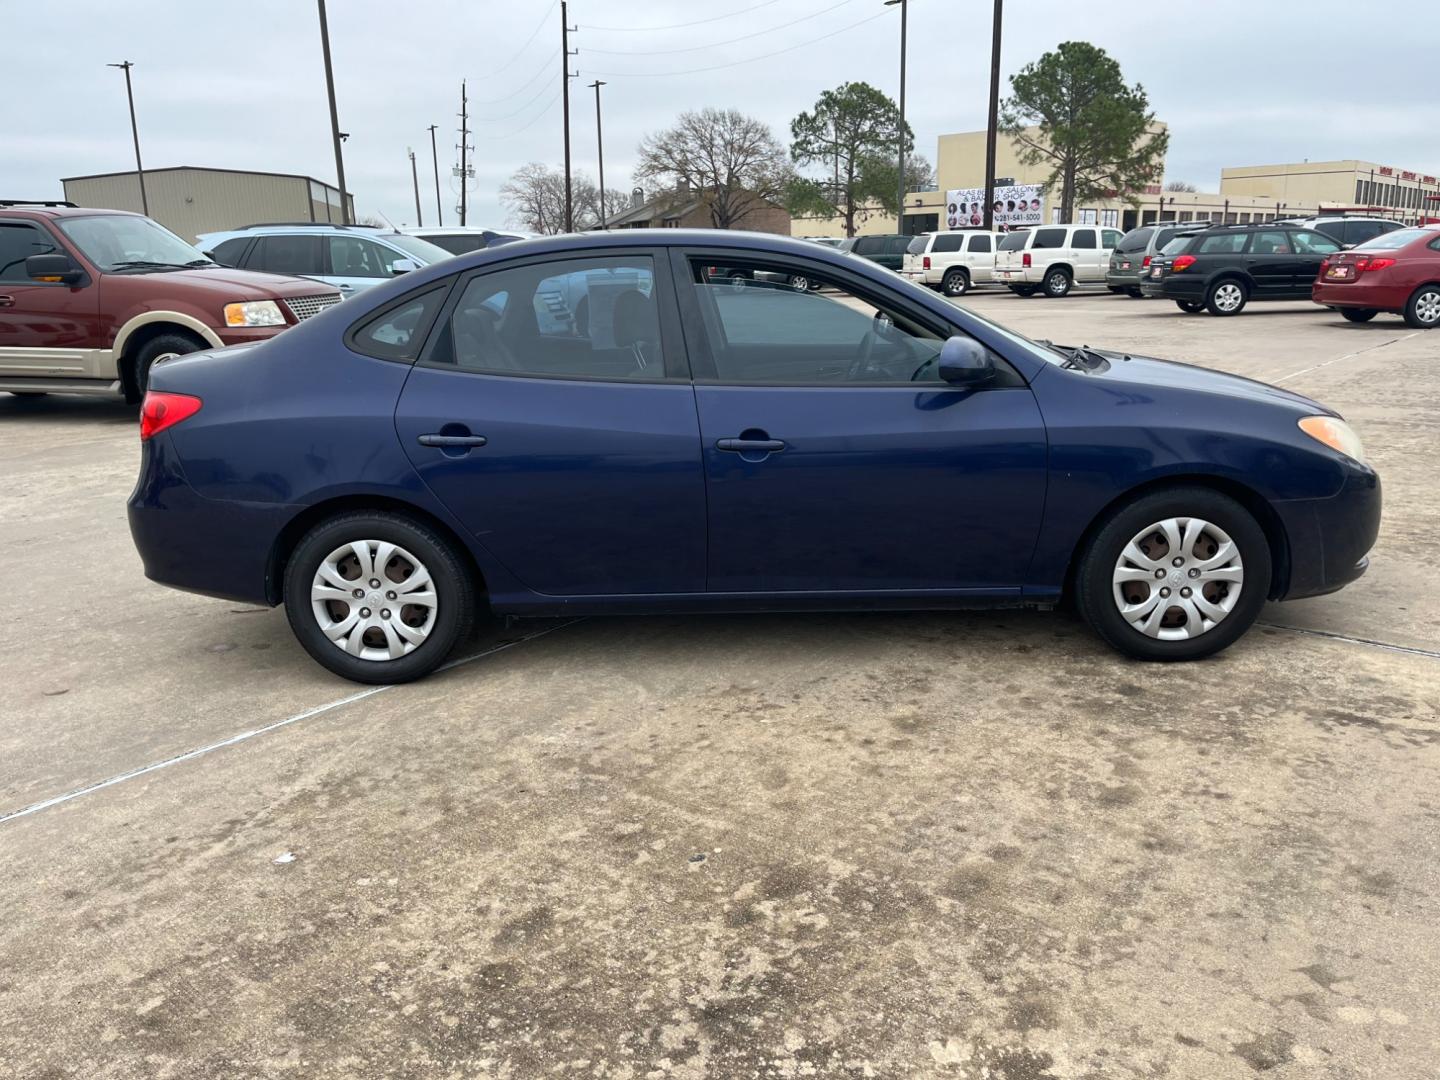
887 249
1221 269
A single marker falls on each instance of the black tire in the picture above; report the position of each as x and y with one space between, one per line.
1190 307
737 280
1218 297
1023 290
956 282
454 616
1135 292
1057 282
1116 289
1095 590
1422 310
176 344
1350 314
31 393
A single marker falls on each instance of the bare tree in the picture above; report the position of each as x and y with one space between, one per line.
730 162
1180 185
535 197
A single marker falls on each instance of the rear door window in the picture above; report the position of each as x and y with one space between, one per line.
287 255
949 242
1048 238
980 242
229 252
1271 243
1357 232
1084 238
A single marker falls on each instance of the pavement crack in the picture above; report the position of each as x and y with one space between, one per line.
1412 650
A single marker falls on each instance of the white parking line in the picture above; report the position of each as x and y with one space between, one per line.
1410 649
1347 356
329 706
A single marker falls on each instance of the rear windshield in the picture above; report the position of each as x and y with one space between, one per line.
1014 241
1392 240
457 243
1134 240
917 246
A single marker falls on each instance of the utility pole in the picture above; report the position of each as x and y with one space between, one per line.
415 176
900 156
334 116
565 76
600 153
464 146
435 161
990 132
135 134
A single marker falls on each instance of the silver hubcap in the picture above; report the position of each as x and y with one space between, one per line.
800 283
1057 284
1227 297
165 356
956 284
374 600
1178 578
1427 307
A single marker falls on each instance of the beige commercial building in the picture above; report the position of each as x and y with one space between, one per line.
189 201
1251 193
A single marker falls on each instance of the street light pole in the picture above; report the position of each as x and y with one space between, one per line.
600 153
990 131
135 134
334 116
435 160
900 137
415 176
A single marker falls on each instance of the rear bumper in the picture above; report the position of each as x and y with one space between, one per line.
247 335
1123 279
1178 287
189 542
1016 277
1357 295
922 277
1330 539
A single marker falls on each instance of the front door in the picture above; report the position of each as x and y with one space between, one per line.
46 328
569 449
838 462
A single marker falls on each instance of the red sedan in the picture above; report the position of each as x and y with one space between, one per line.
1398 272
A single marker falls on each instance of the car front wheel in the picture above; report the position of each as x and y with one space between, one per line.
1226 297
378 598
1174 575
1423 309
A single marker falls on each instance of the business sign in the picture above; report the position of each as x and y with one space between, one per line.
1015 206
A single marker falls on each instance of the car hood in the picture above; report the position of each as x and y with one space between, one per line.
233 284
1152 371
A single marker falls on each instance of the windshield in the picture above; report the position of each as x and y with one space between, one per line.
1392 240
422 250
127 241
1013 241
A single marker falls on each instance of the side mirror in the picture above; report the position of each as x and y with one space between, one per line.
403 266
964 362
53 268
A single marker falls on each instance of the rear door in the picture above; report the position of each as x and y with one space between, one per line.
46 328
980 255
837 462
570 451
296 255
1085 254
1271 262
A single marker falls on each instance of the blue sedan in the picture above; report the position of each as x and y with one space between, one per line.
461 439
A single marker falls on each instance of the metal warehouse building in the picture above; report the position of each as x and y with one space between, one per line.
189 200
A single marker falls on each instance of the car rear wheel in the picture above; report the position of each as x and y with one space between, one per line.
1174 575
737 281
1422 311
1057 283
1190 307
152 352
1023 290
1135 292
800 283
1351 314
1226 297
956 283
378 598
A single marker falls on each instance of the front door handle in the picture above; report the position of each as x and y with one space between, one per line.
451 440
7 301
750 446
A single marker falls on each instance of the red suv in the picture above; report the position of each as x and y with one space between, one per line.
1398 272
89 299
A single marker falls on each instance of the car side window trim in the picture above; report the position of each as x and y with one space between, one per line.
671 339
699 325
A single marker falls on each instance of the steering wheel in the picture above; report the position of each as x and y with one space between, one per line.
861 364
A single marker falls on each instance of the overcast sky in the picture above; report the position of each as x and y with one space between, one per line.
241 84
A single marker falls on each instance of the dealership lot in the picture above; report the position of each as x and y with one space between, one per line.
923 845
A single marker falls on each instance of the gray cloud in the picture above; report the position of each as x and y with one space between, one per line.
242 86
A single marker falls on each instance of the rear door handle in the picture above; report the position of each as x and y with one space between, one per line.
750 446
7 301
452 440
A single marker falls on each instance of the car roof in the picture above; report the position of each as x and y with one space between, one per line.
50 210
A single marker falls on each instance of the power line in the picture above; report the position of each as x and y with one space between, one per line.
544 111
716 44
541 70
510 115
516 54
678 26
735 63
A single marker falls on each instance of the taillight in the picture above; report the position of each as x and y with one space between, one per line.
1365 264
1025 260
1145 262
925 265
1324 265
162 410
1182 262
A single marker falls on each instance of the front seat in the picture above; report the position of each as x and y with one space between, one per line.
637 327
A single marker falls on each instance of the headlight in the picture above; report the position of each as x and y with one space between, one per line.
254 313
1334 433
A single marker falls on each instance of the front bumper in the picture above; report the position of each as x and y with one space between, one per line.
1330 539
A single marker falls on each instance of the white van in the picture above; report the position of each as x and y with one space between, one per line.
1052 258
952 262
